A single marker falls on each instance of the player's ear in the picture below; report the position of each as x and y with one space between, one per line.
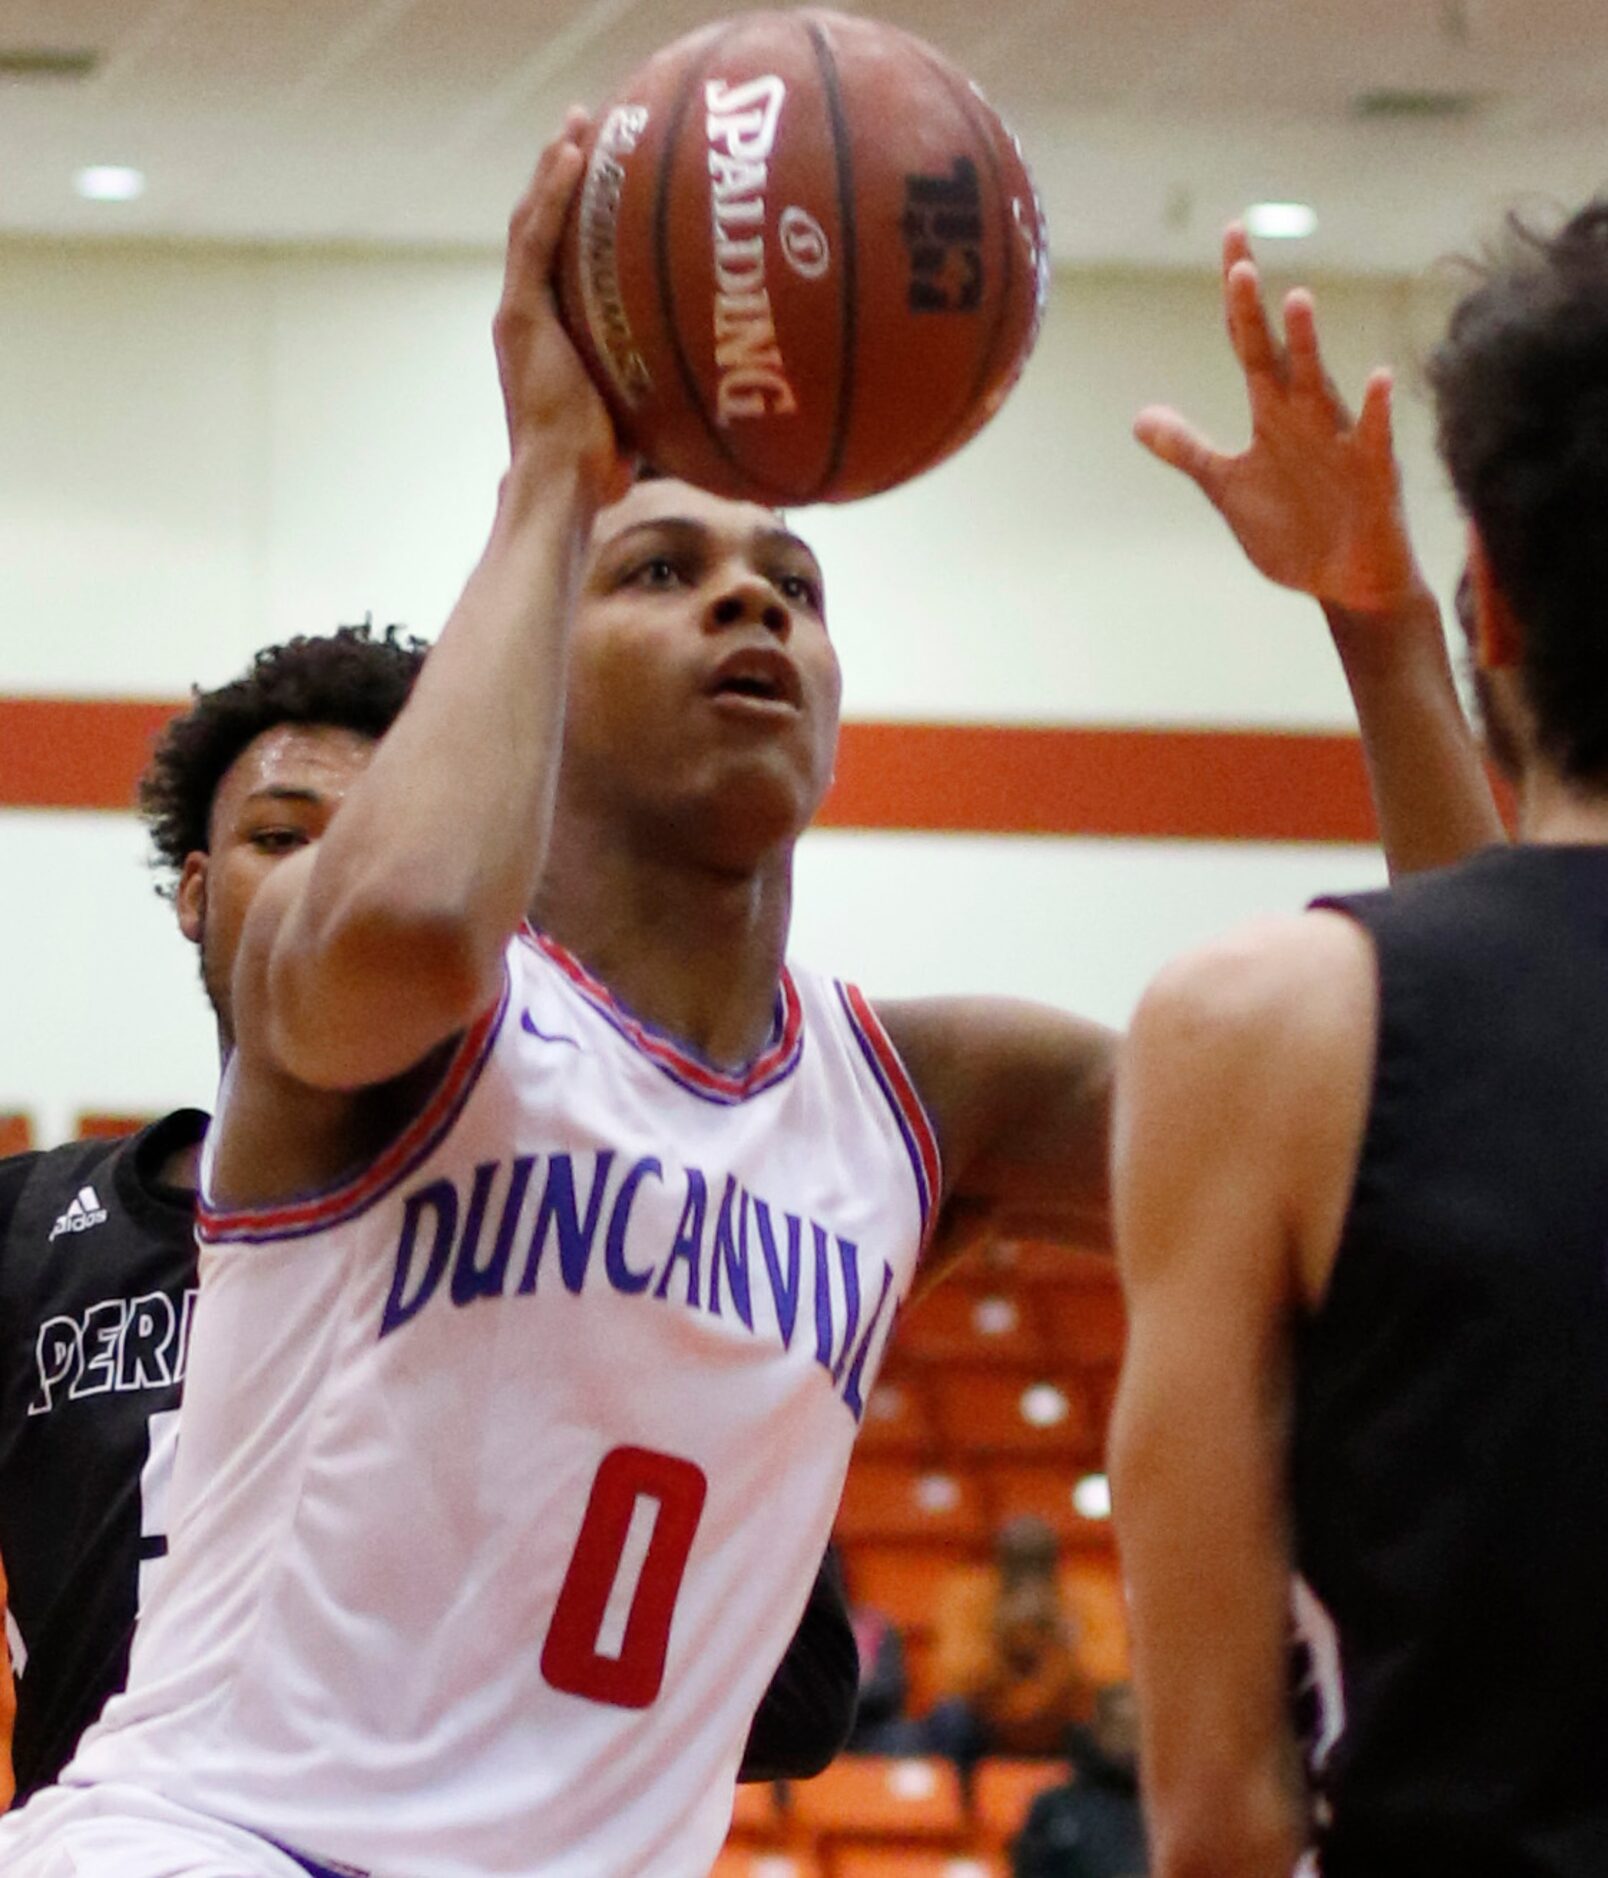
1498 636
190 898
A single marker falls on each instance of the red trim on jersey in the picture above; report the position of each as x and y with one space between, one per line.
920 1136
319 1211
776 1060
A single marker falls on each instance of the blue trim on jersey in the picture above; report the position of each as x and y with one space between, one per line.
311 1865
924 1196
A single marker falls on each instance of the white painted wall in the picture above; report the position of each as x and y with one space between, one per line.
202 450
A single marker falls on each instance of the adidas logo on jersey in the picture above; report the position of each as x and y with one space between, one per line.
83 1211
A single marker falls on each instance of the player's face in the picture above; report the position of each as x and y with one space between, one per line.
704 690
276 797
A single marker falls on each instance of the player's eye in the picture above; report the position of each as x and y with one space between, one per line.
659 572
278 840
799 589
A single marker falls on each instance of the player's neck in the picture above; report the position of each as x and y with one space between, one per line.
697 952
1559 812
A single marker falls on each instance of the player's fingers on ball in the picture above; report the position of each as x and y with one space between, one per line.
534 227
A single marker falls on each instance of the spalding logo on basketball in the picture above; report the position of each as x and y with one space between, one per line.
806 260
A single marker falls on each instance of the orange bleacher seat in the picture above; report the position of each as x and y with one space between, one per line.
898 1580
958 1323
986 1412
16 1134
897 1419
1022 1487
97 1125
1002 1792
921 1671
1023 1262
875 1796
757 1812
741 1861
1084 1325
885 1861
884 1499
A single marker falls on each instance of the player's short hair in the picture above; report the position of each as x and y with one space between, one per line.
1521 393
355 678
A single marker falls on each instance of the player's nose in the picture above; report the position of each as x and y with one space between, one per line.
746 598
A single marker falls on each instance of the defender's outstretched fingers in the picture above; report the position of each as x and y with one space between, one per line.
1307 376
1259 353
1169 436
1375 428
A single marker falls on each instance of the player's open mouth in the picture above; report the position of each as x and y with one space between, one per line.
757 677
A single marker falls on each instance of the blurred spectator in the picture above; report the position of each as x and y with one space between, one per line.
879 1725
1007 1672
1091 1827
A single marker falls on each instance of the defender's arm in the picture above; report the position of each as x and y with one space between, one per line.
1241 1102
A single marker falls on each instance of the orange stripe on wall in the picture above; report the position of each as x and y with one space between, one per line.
1178 784
75 753
86 753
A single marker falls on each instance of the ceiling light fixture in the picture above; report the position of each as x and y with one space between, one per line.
1280 221
109 182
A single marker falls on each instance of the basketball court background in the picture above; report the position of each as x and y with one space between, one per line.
1080 732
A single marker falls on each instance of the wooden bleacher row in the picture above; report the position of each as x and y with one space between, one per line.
871 1817
1024 1307
17 1133
994 1402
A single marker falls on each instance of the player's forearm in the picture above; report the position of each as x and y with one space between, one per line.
1430 791
429 867
1240 1828
1208 1576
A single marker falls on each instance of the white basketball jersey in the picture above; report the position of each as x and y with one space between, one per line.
504 1469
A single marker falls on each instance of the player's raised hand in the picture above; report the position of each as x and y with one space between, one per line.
547 394
1314 499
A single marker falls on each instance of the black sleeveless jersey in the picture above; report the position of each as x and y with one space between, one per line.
1450 1463
97 1280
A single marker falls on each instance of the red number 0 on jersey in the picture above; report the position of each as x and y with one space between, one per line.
571 1660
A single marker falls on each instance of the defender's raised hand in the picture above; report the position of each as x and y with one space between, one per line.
1314 498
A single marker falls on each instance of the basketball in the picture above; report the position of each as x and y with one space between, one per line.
806 260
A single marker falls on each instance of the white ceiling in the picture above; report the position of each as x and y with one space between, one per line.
1148 122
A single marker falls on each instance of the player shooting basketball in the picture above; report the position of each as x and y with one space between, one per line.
512 1438
548 1268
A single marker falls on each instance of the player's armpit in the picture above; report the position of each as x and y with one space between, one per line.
1241 1098
806 1716
1020 1096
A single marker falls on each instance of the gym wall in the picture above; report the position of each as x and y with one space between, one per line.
204 449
